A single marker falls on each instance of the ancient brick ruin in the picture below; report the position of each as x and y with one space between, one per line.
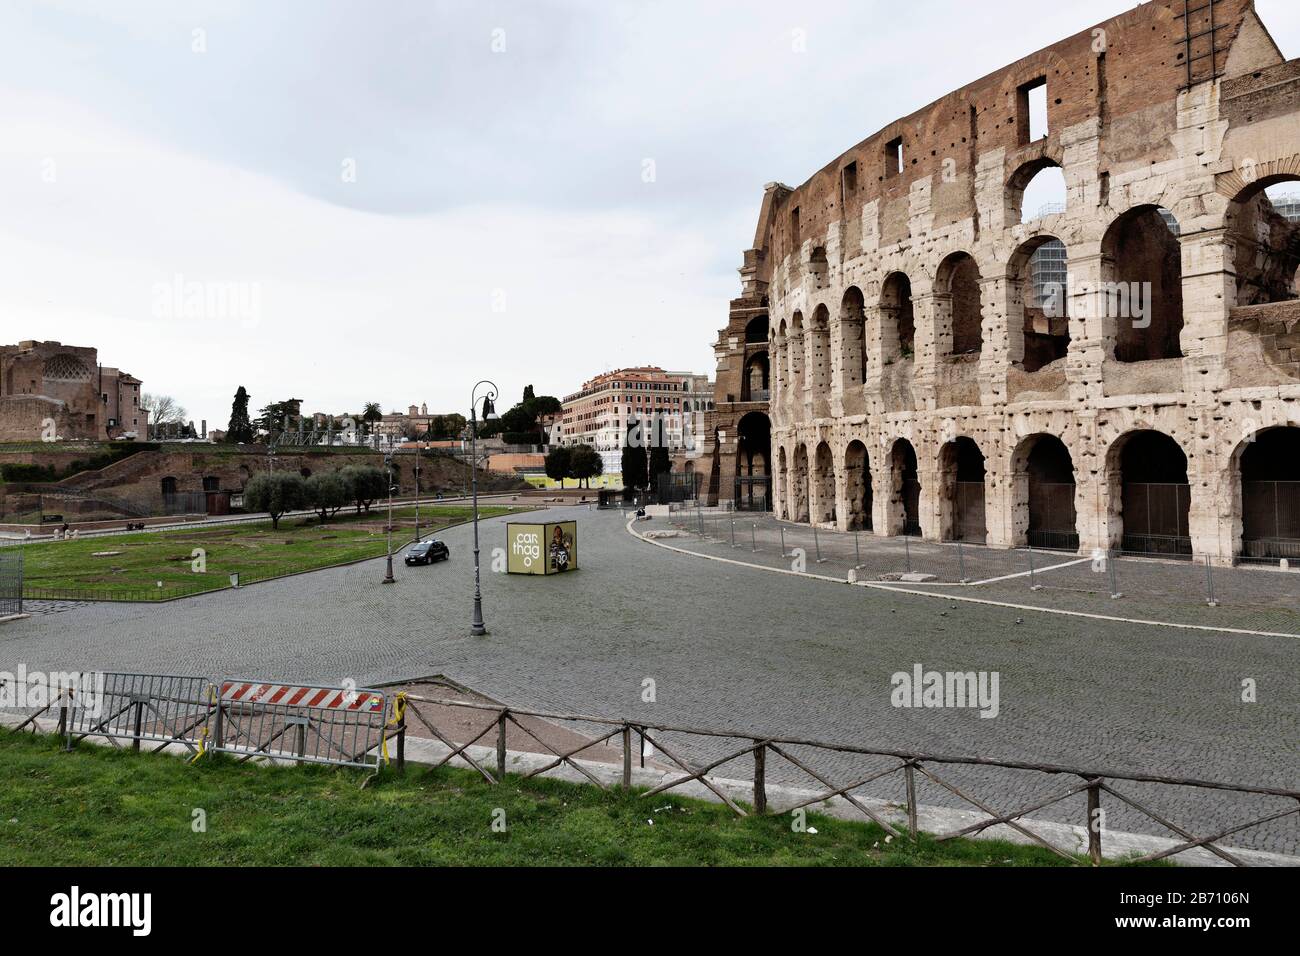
895 362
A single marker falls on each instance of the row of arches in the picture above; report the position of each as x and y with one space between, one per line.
1139 298
1145 484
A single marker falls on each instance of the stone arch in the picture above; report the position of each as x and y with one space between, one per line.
756 330
754 383
958 318
898 317
1149 494
168 486
857 481
1266 244
1038 309
1042 181
1141 300
853 342
961 492
1043 490
799 510
1265 487
753 485
905 490
824 485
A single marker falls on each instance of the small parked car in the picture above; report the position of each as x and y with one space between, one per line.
427 552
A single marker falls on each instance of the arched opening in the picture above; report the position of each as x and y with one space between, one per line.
857 480
799 485
853 342
783 472
305 472
958 313
1142 294
168 485
754 383
1148 478
1269 474
1038 320
824 475
961 471
753 489
898 321
1043 494
1263 222
1036 190
905 500
819 352
756 330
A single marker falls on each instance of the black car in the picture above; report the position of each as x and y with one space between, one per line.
426 552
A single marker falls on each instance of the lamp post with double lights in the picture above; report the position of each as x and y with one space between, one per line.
489 413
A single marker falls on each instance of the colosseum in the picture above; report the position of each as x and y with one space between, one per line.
918 350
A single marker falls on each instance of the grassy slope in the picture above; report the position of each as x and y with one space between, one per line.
103 807
254 550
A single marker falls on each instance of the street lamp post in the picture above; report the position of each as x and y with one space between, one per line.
489 412
417 492
388 464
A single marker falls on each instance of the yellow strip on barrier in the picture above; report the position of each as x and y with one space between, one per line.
399 714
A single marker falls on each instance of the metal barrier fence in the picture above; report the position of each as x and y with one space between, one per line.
11 583
299 722
1192 590
912 774
159 708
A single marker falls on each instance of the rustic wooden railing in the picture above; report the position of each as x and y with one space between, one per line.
1093 782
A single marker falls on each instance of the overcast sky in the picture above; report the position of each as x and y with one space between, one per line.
386 201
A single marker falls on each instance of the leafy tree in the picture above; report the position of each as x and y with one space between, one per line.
585 464
364 484
326 493
545 405
275 494
240 429
634 464
518 419
558 461
528 394
277 418
660 460
163 413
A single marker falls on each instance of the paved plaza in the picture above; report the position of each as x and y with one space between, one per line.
731 646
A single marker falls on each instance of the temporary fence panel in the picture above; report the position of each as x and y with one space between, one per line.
11 582
160 708
298 722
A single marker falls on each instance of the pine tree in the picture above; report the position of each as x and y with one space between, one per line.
240 428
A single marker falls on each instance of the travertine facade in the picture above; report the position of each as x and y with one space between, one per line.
919 386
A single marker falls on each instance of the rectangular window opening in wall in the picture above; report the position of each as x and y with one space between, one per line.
848 184
894 156
1032 108
794 227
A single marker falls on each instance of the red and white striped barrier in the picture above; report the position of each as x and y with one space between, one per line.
300 695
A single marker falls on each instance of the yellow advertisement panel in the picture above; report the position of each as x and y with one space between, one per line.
526 548
542 548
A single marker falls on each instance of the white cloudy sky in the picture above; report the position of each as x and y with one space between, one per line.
129 163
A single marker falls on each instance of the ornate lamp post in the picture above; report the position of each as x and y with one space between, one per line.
489 412
388 472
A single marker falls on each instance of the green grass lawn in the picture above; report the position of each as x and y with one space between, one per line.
256 551
97 806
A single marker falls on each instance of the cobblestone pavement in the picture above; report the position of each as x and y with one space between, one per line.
738 647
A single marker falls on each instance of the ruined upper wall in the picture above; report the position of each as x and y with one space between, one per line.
1125 74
